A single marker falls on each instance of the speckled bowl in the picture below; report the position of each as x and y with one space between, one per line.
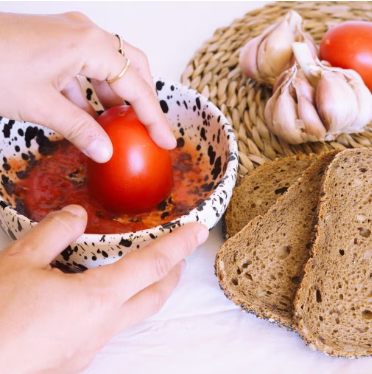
192 118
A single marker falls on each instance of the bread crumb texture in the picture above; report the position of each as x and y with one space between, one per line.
261 267
333 307
258 191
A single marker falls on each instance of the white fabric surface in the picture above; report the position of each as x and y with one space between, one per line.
199 330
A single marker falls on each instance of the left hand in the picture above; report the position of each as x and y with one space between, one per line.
54 323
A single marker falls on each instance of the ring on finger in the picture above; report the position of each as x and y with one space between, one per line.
121 45
125 68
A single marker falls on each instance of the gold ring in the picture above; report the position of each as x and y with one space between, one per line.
125 68
121 45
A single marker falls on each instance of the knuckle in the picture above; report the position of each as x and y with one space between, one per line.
103 300
102 295
55 217
64 219
141 56
34 109
79 16
147 90
78 129
95 33
177 275
93 37
188 244
162 266
144 91
15 250
158 301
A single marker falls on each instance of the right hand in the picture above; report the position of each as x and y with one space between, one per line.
54 323
41 57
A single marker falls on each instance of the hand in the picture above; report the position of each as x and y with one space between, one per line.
52 322
41 57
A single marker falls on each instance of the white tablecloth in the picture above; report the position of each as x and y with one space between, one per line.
199 330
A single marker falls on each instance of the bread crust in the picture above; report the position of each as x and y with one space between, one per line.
240 211
246 306
301 301
253 232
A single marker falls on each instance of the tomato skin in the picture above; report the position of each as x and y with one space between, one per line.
349 46
139 175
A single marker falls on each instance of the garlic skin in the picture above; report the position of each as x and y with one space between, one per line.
268 55
315 102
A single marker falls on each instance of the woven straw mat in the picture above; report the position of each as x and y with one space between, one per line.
214 72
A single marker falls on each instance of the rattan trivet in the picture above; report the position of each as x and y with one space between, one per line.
215 73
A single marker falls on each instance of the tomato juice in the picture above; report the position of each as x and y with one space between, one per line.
59 179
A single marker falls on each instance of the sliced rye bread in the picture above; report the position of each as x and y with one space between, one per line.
261 188
260 268
333 306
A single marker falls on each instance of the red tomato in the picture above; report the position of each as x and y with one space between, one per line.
139 175
349 46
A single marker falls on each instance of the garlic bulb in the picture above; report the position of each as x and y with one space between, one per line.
290 113
314 102
265 57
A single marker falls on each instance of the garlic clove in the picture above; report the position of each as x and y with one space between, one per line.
269 111
248 58
280 80
305 107
275 52
285 80
248 55
285 119
293 19
336 102
364 99
303 87
265 57
363 96
316 102
308 114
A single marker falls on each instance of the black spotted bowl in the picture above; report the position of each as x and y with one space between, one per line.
192 118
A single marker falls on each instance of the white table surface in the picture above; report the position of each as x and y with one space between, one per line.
199 330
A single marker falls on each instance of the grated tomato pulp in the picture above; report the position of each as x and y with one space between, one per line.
59 179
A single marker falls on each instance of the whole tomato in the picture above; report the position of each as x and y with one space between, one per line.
139 175
349 46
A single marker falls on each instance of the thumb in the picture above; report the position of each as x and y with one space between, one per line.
75 124
50 237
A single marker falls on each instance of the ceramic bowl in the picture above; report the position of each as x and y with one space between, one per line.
192 117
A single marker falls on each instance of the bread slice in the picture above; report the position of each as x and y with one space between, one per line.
333 307
260 268
261 188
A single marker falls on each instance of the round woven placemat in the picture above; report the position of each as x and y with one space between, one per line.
214 72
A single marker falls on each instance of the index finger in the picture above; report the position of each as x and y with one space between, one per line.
104 62
135 89
145 266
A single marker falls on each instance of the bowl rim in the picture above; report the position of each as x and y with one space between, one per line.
147 234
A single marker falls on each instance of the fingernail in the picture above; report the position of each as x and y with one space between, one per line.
183 265
173 140
98 151
202 235
169 141
76 210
